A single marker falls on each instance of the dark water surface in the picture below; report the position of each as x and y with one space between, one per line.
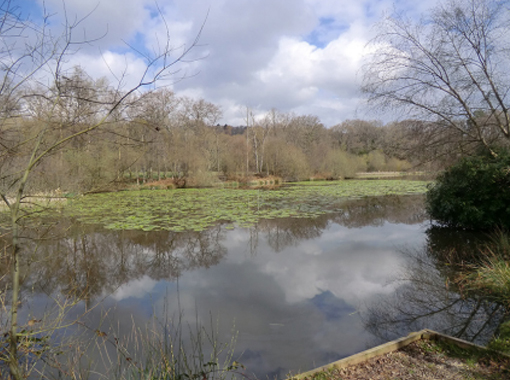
299 292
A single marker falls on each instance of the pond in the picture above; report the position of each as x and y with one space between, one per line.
295 292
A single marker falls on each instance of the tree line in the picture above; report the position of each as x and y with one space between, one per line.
157 134
61 129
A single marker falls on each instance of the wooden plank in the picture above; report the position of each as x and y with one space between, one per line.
389 347
458 342
368 354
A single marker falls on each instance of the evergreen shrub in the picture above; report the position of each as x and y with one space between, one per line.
473 194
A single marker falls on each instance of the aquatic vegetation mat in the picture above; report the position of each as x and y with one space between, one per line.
199 209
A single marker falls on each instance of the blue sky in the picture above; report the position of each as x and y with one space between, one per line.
301 56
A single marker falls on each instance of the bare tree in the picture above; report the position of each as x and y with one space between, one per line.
28 52
154 116
199 118
259 133
197 148
358 136
450 67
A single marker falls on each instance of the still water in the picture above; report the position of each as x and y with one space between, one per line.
298 293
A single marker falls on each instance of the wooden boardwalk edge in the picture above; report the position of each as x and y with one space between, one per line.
389 347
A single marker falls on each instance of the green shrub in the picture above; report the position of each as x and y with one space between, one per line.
474 193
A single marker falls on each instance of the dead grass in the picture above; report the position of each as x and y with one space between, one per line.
424 360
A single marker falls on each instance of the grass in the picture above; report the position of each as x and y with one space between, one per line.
168 351
491 277
494 278
163 349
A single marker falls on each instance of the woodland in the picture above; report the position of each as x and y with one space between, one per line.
158 135
64 132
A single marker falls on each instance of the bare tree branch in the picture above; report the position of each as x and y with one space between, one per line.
450 68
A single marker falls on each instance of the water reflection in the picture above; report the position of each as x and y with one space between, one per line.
373 212
427 296
92 261
294 288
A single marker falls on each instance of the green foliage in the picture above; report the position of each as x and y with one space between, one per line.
474 193
492 278
501 342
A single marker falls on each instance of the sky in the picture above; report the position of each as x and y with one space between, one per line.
299 56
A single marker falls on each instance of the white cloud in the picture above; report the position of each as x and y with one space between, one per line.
113 20
277 67
137 288
126 69
302 56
